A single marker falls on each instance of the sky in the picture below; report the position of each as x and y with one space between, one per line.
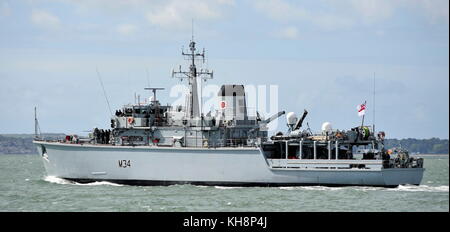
321 55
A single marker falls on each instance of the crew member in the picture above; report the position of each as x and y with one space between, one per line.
107 134
102 136
96 135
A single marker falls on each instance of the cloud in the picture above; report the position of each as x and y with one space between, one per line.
380 33
127 29
289 32
5 9
334 15
112 6
179 13
227 2
45 19
280 10
286 12
167 14
371 11
437 11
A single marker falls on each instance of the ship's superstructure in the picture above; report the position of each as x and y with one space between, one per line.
187 126
152 143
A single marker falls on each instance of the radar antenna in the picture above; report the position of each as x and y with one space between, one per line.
154 92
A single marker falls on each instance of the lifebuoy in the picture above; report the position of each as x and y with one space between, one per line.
130 120
223 104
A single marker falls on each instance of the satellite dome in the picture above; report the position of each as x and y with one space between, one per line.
291 118
326 127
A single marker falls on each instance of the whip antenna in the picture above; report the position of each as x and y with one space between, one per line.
104 92
148 77
373 126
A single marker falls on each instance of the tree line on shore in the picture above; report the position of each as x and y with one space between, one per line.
21 143
423 146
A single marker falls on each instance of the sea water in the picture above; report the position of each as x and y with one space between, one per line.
24 186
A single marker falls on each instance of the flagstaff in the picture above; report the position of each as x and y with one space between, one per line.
362 112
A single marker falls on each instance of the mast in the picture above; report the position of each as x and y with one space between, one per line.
362 123
373 122
36 125
193 108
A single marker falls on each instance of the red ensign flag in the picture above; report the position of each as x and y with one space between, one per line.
361 109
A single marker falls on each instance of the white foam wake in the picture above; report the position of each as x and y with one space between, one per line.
224 187
401 188
57 180
316 188
98 183
421 188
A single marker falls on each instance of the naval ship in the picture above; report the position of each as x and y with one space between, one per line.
157 144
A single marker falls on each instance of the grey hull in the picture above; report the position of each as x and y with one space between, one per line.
222 166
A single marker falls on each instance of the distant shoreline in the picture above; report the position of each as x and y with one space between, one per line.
23 144
416 155
430 155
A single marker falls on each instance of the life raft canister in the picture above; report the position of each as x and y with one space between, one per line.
130 120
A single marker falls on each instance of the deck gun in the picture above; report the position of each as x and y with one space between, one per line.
267 121
299 123
275 116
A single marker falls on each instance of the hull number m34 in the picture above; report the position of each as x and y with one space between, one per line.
124 163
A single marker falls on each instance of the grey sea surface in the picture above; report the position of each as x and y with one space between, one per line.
24 186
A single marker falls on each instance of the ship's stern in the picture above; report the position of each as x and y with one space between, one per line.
402 176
